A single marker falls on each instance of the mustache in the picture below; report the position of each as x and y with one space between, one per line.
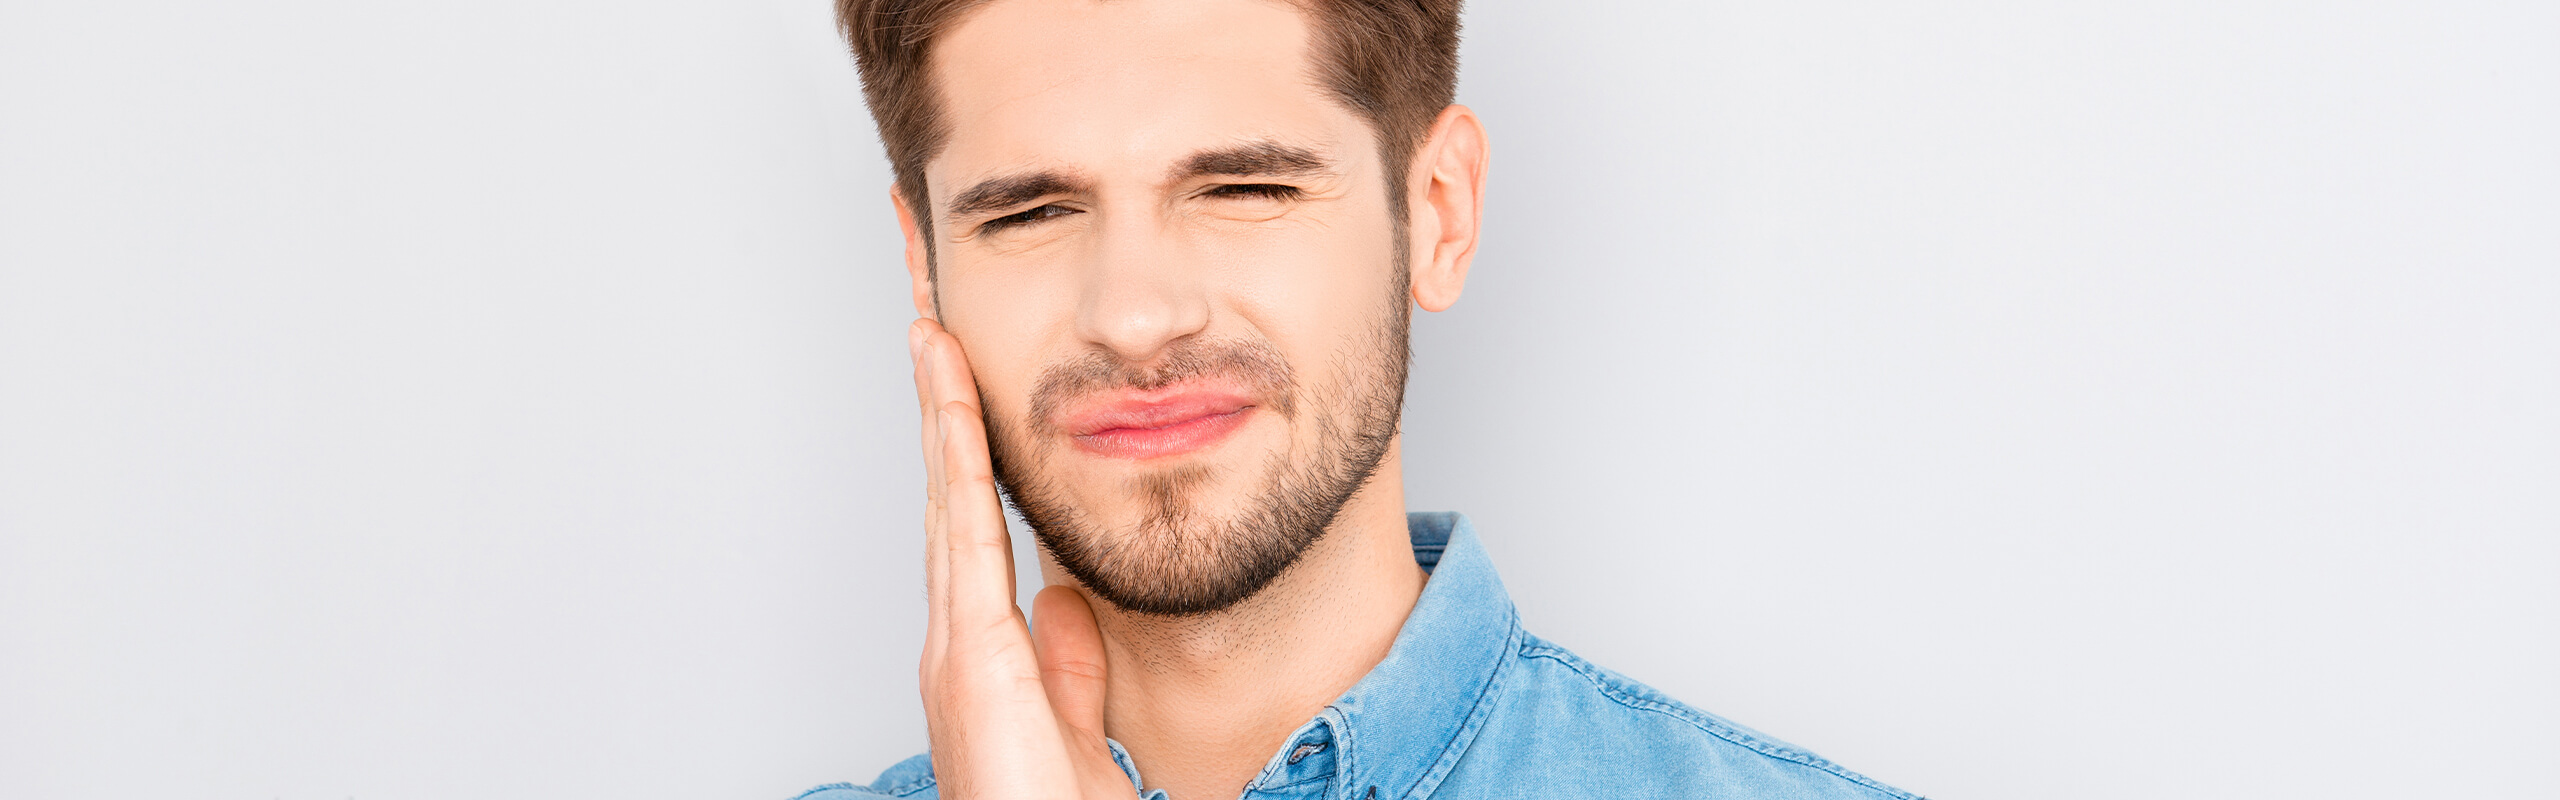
1254 362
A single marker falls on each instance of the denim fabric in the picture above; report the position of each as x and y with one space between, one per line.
1468 705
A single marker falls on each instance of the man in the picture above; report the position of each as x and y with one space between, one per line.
1165 252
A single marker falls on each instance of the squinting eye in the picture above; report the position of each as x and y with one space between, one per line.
1024 217
1268 191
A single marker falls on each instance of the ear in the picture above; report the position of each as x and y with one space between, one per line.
919 262
1447 206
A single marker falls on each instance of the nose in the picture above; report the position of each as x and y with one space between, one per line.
1142 293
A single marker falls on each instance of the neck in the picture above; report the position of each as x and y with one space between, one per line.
1202 702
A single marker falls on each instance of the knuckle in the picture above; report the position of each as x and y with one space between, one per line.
993 548
1080 669
973 479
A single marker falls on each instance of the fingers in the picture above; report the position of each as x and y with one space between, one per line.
937 569
944 376
1071 659
921 338
977 567
917 333
980 587
1068 645
1011 715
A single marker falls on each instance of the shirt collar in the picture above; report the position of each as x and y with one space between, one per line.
1402 728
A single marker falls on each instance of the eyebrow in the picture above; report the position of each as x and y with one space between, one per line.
1254 158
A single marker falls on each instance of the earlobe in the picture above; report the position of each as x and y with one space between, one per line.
919 258
1452 162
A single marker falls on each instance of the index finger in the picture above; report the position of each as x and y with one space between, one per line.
980 550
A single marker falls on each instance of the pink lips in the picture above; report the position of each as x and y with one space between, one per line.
1140 425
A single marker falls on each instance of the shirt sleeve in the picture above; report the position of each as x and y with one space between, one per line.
911 779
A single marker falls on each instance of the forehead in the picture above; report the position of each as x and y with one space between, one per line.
1108 85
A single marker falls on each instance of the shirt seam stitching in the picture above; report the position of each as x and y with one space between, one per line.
1296 783
1610 689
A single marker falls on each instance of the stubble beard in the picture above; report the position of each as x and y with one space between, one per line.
1181 559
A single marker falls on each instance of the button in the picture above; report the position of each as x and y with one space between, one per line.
1305 750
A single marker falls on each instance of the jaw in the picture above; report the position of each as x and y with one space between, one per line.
1366 551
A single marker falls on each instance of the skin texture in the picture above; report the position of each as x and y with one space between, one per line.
1129 257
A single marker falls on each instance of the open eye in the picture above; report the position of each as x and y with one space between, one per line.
1025 217
1265 191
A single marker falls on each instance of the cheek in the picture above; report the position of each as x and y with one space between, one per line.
1316 291
1006 325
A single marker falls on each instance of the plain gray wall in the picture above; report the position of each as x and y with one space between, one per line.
2008 400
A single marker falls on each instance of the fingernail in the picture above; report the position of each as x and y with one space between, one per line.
942 424
915 340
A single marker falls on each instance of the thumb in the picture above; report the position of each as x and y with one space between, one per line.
1071 669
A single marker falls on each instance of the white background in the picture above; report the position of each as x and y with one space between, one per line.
2007 400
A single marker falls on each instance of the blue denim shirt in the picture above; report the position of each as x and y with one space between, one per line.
1468 705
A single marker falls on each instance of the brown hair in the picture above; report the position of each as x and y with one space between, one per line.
1393 62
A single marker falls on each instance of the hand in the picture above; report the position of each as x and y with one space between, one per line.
1012 714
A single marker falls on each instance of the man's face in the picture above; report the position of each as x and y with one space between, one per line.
1168 254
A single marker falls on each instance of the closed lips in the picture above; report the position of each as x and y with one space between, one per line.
1155 424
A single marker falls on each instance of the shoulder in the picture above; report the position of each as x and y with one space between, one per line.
911 779
1591 727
